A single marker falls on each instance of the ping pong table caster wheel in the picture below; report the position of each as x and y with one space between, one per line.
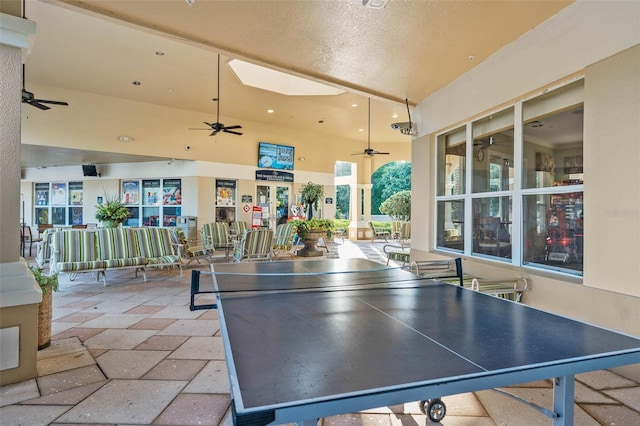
434 409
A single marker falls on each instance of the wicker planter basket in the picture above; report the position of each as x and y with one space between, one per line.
44 320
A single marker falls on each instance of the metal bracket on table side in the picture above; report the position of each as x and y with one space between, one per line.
195 289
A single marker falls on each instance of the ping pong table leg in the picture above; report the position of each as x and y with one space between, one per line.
563 390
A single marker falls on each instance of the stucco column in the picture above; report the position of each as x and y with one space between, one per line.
19 293
367 201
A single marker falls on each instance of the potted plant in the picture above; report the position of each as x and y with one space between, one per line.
310 231
112 212
311 194
48 284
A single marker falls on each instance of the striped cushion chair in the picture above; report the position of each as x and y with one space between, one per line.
43 251
187 251
216 235
255 244
155 245
283 239
74 251
119 249
238 228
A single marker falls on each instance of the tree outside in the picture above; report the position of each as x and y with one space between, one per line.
388 180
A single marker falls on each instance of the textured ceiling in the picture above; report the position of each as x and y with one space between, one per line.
409 49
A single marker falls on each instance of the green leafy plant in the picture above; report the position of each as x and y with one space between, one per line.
398 206
112 210
324 225
311 194
46 282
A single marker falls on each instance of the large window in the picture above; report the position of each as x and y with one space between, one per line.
152 202
523 200
58 203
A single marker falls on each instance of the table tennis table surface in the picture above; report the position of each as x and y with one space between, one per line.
309 339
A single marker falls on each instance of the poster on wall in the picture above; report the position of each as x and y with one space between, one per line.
130 191
225 192
75 193
42 194
59 194
172 192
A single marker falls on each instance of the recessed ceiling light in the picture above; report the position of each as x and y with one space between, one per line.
270 111
159 53
395 115
471 57
361 130
125 138
354 105
136 83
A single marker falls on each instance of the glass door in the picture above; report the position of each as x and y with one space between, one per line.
274 200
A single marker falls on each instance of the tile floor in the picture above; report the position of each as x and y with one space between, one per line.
133 353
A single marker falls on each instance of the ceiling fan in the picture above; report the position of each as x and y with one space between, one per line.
368 151
218 127
30 98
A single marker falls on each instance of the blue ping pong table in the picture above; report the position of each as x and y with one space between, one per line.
311 339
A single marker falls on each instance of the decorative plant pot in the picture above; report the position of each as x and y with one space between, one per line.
310 241
110 224
44 321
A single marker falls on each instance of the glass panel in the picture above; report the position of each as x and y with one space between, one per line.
42 215
492 226
450 233
130 192
58 194
553 138
493 153
282 204
172 192
75 215
225 214
263 195
170 216
134 219
554 230
42 194
151 190
75 193
59 215
451 162
151 216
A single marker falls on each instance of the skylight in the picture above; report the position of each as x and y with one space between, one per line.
279 82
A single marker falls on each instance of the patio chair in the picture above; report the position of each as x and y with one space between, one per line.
255 244
188 251
216 235
379 233
283 240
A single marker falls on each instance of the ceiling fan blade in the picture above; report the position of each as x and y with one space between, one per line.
234 127
36 104
44 101
231 131
381 153
198 128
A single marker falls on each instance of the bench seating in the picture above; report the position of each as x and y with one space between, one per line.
155 245
119 249
439 269
76 250
506 288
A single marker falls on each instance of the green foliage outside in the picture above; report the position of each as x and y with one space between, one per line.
343 192
398 206
388 180
311 194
